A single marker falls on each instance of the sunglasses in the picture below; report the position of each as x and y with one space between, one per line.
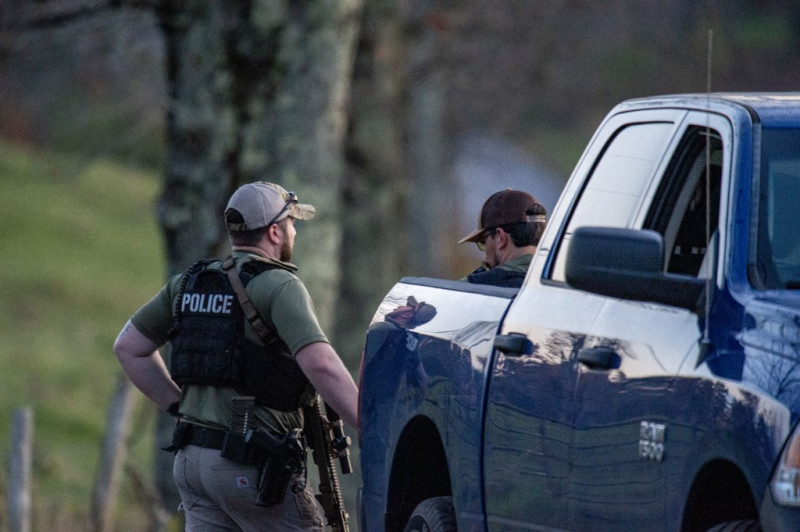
292 199
481 242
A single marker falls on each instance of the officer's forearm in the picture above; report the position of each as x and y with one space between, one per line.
149 376
330 377
144 366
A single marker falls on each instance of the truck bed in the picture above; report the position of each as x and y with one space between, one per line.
434 372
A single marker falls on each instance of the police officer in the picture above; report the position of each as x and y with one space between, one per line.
217 355
509 228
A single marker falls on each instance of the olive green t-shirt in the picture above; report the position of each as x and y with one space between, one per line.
281 300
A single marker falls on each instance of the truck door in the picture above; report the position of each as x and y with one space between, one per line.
532 401
623 439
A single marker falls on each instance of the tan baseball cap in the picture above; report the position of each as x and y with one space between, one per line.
260 204
504 208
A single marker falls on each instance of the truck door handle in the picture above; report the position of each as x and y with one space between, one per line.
513 344
601 357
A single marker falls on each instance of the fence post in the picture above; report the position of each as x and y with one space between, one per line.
112 459
19 494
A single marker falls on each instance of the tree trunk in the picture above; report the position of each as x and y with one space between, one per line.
295 128
433 210
376 184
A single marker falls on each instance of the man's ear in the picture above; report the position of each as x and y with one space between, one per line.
273 234
503 237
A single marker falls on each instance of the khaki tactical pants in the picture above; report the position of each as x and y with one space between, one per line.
218 494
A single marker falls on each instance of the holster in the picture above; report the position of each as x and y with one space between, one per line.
278 458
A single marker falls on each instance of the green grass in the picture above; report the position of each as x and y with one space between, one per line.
79 252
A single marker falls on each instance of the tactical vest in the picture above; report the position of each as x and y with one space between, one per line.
497 277
209 344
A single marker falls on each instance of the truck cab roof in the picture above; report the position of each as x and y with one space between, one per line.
770 109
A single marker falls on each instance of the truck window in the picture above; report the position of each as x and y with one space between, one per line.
777 249
686 208
619 179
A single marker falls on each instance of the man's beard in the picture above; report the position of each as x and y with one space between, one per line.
286 251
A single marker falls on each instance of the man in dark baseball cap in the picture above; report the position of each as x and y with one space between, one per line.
509 228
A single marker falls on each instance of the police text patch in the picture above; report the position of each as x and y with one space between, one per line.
205 303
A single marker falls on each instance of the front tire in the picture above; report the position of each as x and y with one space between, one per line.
433 515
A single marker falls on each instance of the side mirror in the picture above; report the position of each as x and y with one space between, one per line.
627 264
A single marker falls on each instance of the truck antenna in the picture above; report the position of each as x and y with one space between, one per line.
705 342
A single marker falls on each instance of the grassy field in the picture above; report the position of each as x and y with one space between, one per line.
80 252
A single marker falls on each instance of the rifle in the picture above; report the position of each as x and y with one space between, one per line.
326 437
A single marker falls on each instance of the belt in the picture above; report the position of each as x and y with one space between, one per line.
203 437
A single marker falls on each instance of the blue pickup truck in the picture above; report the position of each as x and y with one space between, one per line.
646 376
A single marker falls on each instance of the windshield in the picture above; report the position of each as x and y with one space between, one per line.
778 231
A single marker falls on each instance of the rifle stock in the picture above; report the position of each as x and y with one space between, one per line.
325 435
